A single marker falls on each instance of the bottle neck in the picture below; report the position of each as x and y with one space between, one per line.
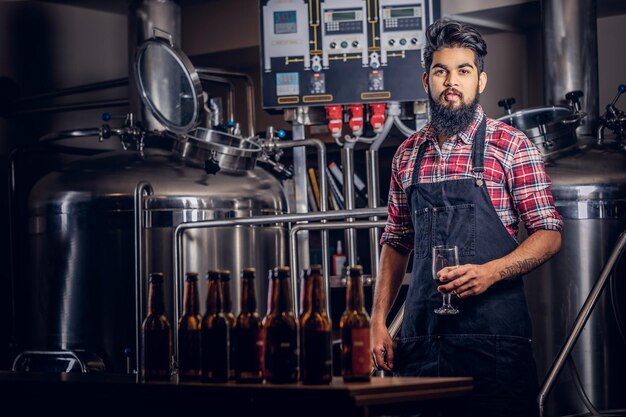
354 293
316 297
214 298
248 296
281 297
156 302
191 303
227 302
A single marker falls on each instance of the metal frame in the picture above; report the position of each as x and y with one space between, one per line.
293 250
144 189
579 324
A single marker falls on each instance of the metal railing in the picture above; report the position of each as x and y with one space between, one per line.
580 322
144 189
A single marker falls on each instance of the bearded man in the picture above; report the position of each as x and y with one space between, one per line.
465 180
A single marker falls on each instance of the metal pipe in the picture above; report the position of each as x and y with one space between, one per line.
347 160
85 88
74 106
12 244
293 249
580 322
300 183
373 190
231 91
380 138
570 53
249 90
142 189
323 183
247 221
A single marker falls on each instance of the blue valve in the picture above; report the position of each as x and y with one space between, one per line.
281 134
106 117
621 88
230 123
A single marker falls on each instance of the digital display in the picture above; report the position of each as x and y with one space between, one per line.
287 84
285 22
343 16
402 12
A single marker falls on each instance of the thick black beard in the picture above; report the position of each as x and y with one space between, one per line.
448 122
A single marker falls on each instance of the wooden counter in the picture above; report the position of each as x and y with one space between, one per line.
69 393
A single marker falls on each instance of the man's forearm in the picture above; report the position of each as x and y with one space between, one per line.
390 275
534 251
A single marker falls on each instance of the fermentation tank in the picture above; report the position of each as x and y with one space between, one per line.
76 294
589 190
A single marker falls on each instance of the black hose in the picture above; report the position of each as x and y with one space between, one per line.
580 389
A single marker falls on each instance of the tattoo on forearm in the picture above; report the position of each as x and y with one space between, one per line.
524 266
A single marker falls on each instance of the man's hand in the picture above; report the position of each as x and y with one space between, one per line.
466 280
382 348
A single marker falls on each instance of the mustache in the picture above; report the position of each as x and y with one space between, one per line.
451 90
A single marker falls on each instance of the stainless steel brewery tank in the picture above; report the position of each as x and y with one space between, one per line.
78 291
589 189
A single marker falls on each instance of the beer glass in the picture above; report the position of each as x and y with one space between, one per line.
444 256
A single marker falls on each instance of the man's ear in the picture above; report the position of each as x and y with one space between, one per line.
482 81
425 81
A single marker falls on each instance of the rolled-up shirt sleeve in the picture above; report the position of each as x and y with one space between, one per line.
399 229
530 189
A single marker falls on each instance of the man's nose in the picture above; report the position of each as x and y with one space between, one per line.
451 79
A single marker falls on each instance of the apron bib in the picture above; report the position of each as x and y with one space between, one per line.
489 339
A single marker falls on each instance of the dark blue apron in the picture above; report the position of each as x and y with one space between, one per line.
489 339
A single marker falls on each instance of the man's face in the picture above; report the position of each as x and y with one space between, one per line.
454 79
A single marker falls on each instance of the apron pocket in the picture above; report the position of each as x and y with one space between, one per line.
516 374
415 356
455 225
421 225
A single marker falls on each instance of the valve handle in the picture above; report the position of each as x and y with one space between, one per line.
281 134
211 166
507 104
620 90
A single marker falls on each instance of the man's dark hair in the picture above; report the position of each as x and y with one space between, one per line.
445 33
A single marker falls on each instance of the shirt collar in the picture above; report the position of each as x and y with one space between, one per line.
467 135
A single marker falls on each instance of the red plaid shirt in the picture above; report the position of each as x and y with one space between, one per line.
514 174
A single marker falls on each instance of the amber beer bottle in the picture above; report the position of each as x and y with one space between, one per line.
249 338
355 331
281 331
230 317
215 334
156 333
316 329
189 359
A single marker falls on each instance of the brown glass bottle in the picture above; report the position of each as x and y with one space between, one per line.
316 331
249 338
281 331
189 359
215 334
356 362
230 317
156 333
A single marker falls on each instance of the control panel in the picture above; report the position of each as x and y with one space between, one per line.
323 52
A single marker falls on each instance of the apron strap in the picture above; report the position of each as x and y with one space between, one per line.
478 152
418 162
478 155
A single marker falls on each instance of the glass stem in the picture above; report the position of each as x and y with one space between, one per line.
446 300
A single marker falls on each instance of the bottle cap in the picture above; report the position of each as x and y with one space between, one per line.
248 273
225 275
315 269
355 270
156 277
213 275
191 277
281 272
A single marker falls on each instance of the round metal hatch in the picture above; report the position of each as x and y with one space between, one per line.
168 84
